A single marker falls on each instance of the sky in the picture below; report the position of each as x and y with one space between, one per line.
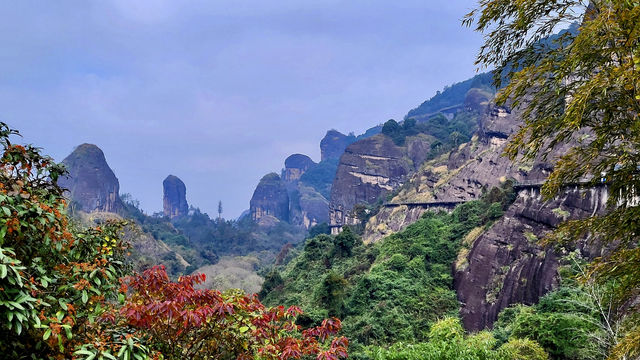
219 92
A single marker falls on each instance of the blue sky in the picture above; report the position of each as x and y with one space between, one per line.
220 92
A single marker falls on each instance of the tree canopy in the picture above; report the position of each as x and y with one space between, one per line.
580 87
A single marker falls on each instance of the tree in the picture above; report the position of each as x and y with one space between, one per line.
344 242
219 209
63 293
456 138
55 278
581 87
181 321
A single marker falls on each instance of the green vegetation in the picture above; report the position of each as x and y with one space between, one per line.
201 241
453 95
448 133
320 177
568 323
65 293
447 341
390 291
581 87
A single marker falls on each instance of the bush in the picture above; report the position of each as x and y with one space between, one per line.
522 349
56 279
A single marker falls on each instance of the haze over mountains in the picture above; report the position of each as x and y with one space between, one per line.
228 85
383 181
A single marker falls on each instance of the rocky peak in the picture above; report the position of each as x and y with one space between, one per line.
296 165
334 143
270 199
369 169
91 184
174 201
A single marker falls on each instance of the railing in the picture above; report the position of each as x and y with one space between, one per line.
427 204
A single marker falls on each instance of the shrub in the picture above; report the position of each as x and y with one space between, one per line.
522 349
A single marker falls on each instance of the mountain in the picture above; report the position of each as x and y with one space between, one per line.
369 169
270 200
91 184
174 201
453 97
93 191
333 144
453 232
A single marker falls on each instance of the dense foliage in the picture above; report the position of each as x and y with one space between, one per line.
447 341
448 133
584 88
63 294
55 278
202 241
452 95
568 323
385 292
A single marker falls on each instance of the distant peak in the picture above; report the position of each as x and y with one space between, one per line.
298 161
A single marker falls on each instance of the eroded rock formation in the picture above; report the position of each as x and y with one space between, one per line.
368 170
505 265
174 200
461 176
270 199
296 165
91 184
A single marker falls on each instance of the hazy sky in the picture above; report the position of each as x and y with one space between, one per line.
219 92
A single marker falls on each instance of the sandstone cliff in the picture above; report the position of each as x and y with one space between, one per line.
306 205
505 265
296 165
270 200
460 175
369 169
313 206
174 200
91 184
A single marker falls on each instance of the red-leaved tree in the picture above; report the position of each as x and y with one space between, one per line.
181 321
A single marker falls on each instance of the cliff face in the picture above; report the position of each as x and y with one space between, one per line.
369 169
91 184
314 207
461 175
505 265
270 199
333 144
174 201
